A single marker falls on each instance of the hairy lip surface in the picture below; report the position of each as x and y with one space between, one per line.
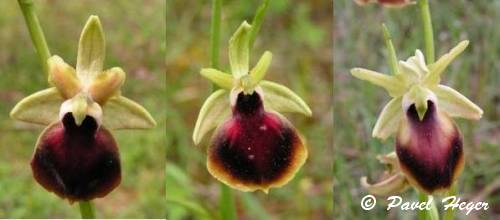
430 151
77 162
255 149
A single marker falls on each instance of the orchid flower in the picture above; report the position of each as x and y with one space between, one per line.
428 143
76 156
254 147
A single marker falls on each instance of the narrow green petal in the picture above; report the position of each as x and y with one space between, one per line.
388 120
215 109
259 71
281 99
220 78
63 77
389 83
455 104
434 76
91 50
122 113
107 84
41 107
239 50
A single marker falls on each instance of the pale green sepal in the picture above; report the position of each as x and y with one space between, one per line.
91 50
41 107
389 83
281 99
122 113
239 50
220 78
260 69
214 110
389 119
455 104
435 69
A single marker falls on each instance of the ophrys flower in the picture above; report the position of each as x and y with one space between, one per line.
428 144
76 156
254 147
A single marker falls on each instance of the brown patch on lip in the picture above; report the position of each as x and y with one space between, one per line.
78 163
255 150
430 151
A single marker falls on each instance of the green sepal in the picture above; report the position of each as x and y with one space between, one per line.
214 110
390 83
389 119
260 69
435 69
91 50
456 104
281 99
220 78
41 107
239 51
122 113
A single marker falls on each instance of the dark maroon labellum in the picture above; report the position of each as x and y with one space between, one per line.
77 162
430 151
255 149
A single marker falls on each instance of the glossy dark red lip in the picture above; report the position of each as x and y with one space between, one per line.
255 149
430 151
77 162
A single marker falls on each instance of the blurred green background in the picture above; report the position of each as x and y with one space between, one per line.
358 42
298 33
135 33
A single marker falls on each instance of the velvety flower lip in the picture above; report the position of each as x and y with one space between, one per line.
430 150
255 149
77 162
253 146
428 143
76 157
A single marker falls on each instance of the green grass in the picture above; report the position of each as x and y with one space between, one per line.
135 37
297 33
359 43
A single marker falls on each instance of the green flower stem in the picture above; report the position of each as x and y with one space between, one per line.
42 49
87 210
215 33
393 59
432 214
226 206
425 13
36 32
226 201
450 213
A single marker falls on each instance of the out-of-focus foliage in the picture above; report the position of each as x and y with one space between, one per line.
298 33
135 37
358 42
